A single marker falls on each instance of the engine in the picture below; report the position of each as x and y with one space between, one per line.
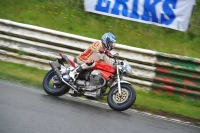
92 86
95 80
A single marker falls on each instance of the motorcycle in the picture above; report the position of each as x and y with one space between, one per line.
94 83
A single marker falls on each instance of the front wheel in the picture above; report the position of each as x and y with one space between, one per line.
123 102
54 89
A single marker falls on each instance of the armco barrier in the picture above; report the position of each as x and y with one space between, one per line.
151 70
177 74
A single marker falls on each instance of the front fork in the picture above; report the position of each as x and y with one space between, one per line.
119 82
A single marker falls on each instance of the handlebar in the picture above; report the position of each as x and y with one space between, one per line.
114 57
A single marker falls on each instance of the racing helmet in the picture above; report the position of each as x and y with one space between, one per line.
109 40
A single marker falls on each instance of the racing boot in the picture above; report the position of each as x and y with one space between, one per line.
73 73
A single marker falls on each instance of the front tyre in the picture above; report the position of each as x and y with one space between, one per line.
123 102
52 89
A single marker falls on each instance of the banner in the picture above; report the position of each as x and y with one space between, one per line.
173 14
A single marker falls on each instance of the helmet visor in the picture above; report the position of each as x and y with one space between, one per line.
112 44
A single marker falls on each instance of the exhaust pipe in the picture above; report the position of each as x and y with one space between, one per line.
53 66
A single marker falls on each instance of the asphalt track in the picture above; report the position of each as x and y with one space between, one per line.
29 110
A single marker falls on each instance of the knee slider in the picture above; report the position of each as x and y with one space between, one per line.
89 62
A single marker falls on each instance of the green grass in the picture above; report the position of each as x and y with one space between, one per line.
168 103
159 104
69 16
22 74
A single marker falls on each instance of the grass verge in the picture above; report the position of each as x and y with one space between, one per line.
70 16
162 104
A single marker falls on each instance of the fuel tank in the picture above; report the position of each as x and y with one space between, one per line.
100 65
106 70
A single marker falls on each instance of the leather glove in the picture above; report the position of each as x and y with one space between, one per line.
101 50
107 52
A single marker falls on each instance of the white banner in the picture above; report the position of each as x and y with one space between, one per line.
173 14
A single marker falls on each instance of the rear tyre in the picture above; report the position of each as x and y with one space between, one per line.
52 89
123 102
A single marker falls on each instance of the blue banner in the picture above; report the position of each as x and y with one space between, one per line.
173 14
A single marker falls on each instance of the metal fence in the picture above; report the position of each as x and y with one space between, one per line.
32 45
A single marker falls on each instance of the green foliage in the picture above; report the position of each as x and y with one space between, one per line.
69 16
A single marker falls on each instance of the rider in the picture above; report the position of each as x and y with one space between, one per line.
95 52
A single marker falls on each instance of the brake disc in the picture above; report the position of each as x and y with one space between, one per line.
120 99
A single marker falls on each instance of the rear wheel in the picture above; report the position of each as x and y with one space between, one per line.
50 88
123 102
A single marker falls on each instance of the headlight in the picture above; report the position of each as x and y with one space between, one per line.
127 68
